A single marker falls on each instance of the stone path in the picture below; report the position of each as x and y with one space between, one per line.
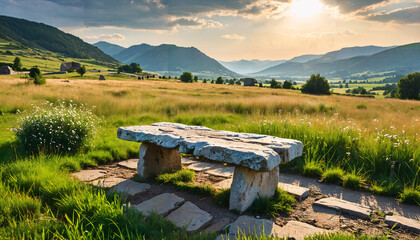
326 212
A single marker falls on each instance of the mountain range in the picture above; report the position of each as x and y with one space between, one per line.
245 67
168 59
42 36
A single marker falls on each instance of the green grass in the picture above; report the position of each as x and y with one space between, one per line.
410 196
353 181
333 175
281 202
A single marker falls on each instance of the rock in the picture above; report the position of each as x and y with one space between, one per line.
131 187
225 184
89 175
250 226
107 182
187 161
154 159
191 216
403 222
344 206
226 172
323 217
202 166
130 163
257 152
298 230
299 192
161 204
247 185
217 227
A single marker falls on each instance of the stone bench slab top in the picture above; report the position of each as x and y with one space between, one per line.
344 206
254 151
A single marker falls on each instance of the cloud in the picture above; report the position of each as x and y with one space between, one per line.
233 37
115 36
409 15
194 22
348 6
324 35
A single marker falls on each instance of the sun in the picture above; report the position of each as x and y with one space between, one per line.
305 8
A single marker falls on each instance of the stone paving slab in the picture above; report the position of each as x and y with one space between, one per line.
203 166
223 171
130 163
225 184
217 227
251 226
298 230
299 192
191 216
403 222
344 206
89 175
161 204
131 187
188 161
107 182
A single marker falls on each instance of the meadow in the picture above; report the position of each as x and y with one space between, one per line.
372 143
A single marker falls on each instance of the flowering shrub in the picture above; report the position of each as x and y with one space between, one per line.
57 128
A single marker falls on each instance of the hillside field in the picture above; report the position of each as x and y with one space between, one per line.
376 140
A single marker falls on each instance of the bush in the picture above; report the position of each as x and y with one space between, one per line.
81 70
275 84
316 85
287 85
34 71
353 181
57 128
219 80
312 169
39 80
411 196
186 77
409 87
36 76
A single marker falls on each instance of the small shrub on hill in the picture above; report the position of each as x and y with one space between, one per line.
57 128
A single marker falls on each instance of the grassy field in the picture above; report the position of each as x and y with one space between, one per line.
373 143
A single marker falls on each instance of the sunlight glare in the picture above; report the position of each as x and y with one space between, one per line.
305 8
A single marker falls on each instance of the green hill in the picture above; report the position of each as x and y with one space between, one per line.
41 36
109 48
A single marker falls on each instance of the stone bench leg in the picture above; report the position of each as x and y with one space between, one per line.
154 159
248 185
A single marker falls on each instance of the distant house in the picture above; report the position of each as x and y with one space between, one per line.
249 81
70 66
6 70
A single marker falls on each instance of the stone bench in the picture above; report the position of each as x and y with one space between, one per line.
256 157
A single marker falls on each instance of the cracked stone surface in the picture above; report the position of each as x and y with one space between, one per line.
188 161
223 171
344 206
299 192
191 216
107 182
89 175
298 230
131 187
130 163
225 184
161 204
203 166
217 227
251 226
254 151
403 222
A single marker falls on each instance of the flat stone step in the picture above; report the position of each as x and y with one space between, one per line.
187 161
344 206
161 204
217 227
107 182
203 166
223 171
403 222
191 216
299 192
251 226
225 184
89 175
130 163
298 230
131 187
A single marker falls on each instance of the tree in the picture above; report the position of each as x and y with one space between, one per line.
212 81
287 85
274 84
135 68
186 77
195 78
17 64
260 84
204 81
219 80
36 76
231 82
34 71
81 70
409 86
316 85
347 85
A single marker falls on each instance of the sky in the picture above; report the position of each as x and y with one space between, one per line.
231 29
